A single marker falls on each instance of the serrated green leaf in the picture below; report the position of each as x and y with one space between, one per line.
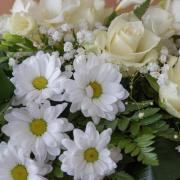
123 124
151 119
111 124
134 128
140 10
150 159
123 143
147 149
143 144
135 152
136 106
144 137
146 113
130 147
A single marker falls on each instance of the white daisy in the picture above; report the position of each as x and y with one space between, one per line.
37 128
96 89
38 78
87 157
15 164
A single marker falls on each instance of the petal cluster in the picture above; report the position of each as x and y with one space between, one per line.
87 157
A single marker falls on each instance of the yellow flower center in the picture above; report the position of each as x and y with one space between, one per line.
91 155
38 127
40 83
19 172
97 89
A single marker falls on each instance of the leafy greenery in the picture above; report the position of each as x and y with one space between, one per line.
136 131
120 176
111 18
152 81
7 88
140 147
140 10
16 43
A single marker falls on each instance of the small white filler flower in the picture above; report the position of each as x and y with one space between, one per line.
87 157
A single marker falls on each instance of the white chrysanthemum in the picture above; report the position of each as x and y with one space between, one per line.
96 89
15 164
87 157
38 78
37 128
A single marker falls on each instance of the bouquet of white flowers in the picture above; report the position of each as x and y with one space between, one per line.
89 92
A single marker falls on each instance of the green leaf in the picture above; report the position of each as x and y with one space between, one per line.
120 176
57 172
151 119
142 172
111 18
137 106
7 88
146 113
153 82
134 128
123 124
140 10
169 161
19 41
144 137
107 124
3 59
141 147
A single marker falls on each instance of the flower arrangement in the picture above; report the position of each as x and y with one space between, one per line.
89 92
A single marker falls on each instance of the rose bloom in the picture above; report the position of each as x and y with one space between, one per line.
170 91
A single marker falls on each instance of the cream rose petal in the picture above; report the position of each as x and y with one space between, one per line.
129 43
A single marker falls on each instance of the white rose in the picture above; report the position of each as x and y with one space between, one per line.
99 42
159 21
169 92
52 12
91 11
125 3
174 9
22 6
129 43
71 11
21 24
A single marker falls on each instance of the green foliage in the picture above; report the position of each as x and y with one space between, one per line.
15 43
120 176
135 130
169 160
110 18
135 106
141 172
144 118
6 89
152 82
57 172
140 147
140 10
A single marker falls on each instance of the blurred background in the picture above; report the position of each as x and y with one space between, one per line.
5 5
